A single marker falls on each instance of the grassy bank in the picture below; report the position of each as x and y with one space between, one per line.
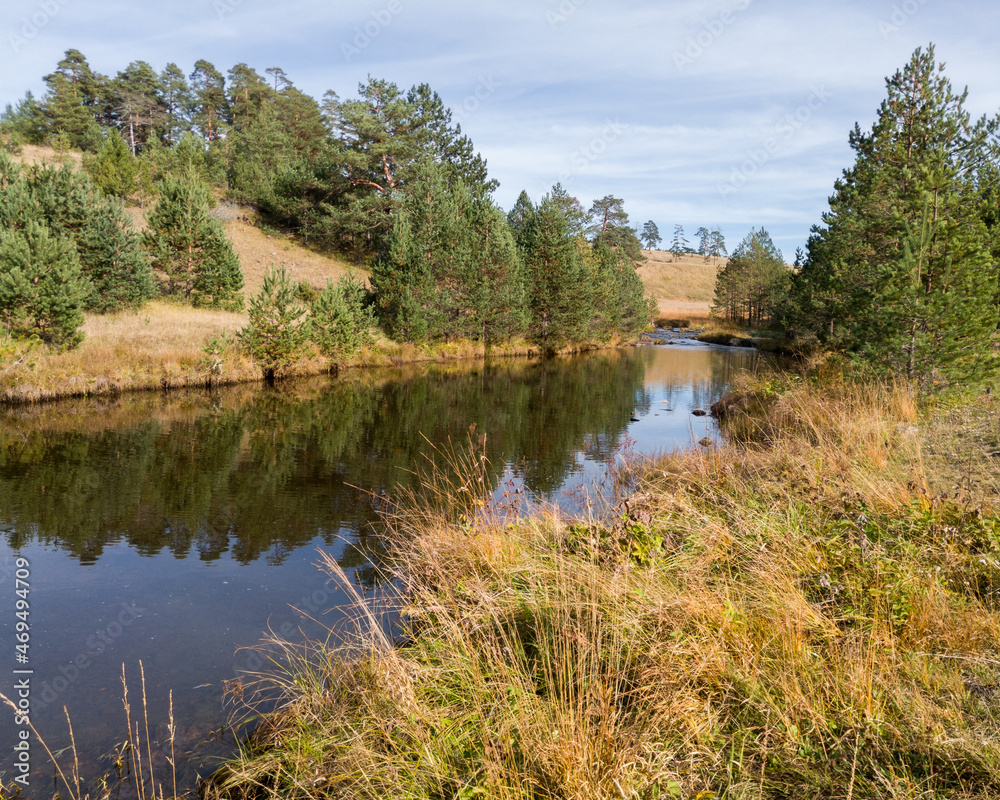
806 615
170 346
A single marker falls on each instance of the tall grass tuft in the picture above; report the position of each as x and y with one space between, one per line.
129 774
797 616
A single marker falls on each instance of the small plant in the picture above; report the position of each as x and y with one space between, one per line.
306 292
277 334
340 322
42 292
215 350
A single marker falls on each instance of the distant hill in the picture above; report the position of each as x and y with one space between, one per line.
682 285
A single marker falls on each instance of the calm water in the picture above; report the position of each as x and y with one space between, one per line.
173 530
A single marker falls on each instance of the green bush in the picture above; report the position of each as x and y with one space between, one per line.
190 249
42 291
340 319
277 334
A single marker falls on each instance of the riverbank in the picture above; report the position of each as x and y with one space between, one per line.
811 613
167 346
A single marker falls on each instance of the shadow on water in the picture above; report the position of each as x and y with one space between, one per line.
174 529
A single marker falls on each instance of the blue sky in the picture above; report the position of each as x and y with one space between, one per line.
731 113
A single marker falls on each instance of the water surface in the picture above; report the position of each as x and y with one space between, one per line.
174 529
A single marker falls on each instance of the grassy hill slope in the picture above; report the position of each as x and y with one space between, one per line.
684 286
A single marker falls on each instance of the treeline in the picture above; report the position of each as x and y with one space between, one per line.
386 180
903 274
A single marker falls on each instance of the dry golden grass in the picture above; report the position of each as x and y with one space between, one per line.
258 251
158 346
684 285
795 620
35 154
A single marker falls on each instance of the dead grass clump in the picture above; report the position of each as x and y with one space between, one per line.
791 619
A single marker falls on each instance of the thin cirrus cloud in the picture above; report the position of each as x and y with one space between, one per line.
696 113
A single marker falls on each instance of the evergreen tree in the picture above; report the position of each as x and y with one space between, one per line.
190 249
209 107
610 225
607 213
650 235
277 332
497 295
248 94
382 140
26 121
704 237
902 271
176 99
75 101
571 209
754 282
137 104
521 219
561 286
716 245
113 169
452 269
619 307
679 245
340 319
41 289
108 248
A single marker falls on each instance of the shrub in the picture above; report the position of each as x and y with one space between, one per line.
41 289
340 321
190 249
276 335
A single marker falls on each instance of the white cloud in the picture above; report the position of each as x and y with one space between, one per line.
562 70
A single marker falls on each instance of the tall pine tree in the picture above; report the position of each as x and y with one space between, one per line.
901 272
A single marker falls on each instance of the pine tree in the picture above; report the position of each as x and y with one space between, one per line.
905 240
41 288
753 284
703 239
497 295
520 219
176 99
607 213
381 142
650 235
277 332
137 104
619 307
76 99
340 319
209 108
561 286
679 245
190 249
716 245
114 168
107 246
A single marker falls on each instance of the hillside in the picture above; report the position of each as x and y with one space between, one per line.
683 286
